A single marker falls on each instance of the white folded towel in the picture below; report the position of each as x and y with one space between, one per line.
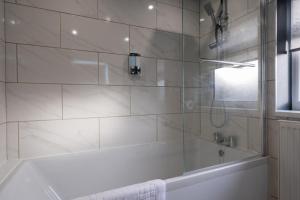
152 190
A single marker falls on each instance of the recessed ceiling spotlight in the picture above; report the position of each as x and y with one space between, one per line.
126 39
150 7
202 19
74 32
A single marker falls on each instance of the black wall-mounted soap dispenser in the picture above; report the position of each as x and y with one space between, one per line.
134 64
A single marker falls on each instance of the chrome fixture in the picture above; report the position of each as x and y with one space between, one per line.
134 66
232 64
225 141
219 20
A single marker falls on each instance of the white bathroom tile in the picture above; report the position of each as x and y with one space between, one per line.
2 38
192 99
79 7
271 99
53 65
32 26
170 127
253 4
134 12
273 138
191 5
191 23
46 138
153 43
271 21
205 22
169 73
123 131
114 71
177 3
3 155
205 51
2 103
2 61
274 177
237 127
191 48
169 18
207 73
255 135
243 33
33 102
192 74
12 132
95 101
155 100
192 124
237 9
11 63
94 35
207 122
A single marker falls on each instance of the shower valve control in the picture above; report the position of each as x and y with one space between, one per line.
229 141
134 64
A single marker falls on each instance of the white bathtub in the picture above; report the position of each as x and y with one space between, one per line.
71 176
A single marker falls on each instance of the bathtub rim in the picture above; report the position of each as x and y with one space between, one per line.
184 180
201 175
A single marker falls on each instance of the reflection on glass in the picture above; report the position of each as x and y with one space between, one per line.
237 84
295 22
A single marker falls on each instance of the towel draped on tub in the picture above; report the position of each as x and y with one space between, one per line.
152 190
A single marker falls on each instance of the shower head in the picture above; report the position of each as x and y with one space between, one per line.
209 9
210 12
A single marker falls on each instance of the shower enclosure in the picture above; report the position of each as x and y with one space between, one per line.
222 87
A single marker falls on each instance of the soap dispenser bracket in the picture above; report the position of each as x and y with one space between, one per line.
134 66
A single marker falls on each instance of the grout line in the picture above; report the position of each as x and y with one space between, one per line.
92 51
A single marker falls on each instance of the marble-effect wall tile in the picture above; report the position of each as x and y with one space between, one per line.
155 100
169 128
53 65
169 18
152 43
3 156
94 35
169 73
12 133
32 26
11 63
79 7
46 138
33 102
134 12
95 101
123 131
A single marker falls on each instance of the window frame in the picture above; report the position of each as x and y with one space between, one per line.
284 46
